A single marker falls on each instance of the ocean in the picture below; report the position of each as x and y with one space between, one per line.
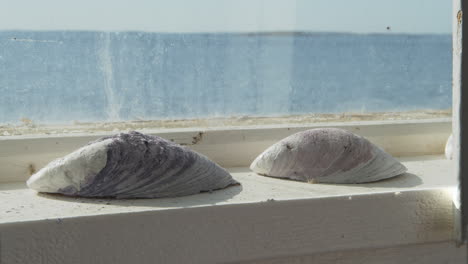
66 76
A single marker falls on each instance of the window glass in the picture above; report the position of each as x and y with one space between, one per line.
231 62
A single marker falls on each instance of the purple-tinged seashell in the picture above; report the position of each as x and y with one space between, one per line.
131 165
327 155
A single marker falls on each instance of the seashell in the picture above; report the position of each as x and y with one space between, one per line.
449 148
131 165
327 155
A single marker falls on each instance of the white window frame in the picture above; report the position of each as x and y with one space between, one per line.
236 147
460 117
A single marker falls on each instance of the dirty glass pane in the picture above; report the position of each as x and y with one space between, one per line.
231 61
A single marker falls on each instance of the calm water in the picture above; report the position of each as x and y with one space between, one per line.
92 76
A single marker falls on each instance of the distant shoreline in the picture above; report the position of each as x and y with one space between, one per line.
241 33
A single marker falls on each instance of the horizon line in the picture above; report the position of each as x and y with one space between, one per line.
267 32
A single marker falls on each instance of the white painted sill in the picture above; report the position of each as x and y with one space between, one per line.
262 218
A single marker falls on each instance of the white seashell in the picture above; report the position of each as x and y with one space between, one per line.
449 148
131 165
327 155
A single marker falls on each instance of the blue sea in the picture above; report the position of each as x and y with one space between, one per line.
65 76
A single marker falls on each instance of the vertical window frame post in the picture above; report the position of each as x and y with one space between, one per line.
460 118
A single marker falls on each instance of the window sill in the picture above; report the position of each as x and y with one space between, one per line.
263 218
228 146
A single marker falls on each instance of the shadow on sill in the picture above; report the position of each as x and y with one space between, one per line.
202 199
405 180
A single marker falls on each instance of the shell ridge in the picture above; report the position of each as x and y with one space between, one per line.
200 178
370 171
171 176
157 168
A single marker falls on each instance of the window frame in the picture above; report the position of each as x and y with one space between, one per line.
460 119
228 146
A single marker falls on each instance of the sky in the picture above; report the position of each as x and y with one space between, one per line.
360 16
